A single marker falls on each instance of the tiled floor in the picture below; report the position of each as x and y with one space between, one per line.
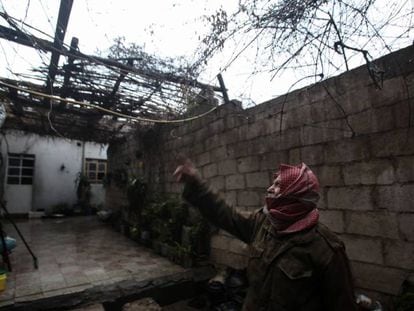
75 254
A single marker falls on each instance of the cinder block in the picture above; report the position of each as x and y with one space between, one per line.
258 180
395 198
406 222
234 120
329 175
272 160
203 159
399 254
243 130
347 150
402 114
210 170
373 120
398 142
368 173
318 109
355 100
405 169
218 154
295 156
313 155
234 182
296 117
250 198
186 140
198 147
217 183
231 136
237 150
348 198
248 164
375 224
227 167
333 219
393 91
271 125
288 139
332 109
363 249
259 145
324 131
317 92
201 134
256 129
379 278
216 127
214 141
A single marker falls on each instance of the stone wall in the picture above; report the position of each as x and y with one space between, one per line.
357 138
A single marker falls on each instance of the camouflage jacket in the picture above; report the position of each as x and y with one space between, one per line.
305 271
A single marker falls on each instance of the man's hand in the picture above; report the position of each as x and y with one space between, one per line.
186 171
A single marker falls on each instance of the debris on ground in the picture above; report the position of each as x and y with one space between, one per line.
145 304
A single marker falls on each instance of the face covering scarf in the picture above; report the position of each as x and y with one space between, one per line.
293 209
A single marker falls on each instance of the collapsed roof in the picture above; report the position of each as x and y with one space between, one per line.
89 93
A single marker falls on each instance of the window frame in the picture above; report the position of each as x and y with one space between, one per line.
20 167
96 171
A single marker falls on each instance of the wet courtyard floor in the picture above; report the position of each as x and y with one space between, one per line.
82 260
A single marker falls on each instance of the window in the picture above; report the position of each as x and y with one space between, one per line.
95 170
20 169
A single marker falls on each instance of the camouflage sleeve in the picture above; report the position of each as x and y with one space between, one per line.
218 212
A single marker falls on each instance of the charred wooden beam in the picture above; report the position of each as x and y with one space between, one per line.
32 41
121 77
223 88
61 25
27 40
68 70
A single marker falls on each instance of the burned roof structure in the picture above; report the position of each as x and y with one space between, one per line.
92 97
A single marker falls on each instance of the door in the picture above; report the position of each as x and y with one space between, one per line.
19 183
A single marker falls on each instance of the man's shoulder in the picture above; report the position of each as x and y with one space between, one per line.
331 239
324 245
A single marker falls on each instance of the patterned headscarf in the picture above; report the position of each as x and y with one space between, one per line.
294 209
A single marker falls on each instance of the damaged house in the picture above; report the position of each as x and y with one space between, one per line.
120 124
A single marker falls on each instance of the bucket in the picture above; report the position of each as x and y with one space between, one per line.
3 278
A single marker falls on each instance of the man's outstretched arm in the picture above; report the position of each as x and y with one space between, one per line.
211 206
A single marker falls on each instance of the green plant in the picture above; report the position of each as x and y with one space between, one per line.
183 255
83 192
137 194
199 241
161 231
134 232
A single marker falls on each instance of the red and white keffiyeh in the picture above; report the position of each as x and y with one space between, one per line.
294 209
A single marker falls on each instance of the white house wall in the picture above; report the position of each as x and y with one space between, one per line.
58 163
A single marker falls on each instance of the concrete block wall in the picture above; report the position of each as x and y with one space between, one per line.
358 139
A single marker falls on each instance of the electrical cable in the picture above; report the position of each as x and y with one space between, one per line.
139 119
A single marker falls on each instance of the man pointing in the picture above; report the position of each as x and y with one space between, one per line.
295 262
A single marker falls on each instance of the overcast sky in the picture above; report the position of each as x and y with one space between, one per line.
164 27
